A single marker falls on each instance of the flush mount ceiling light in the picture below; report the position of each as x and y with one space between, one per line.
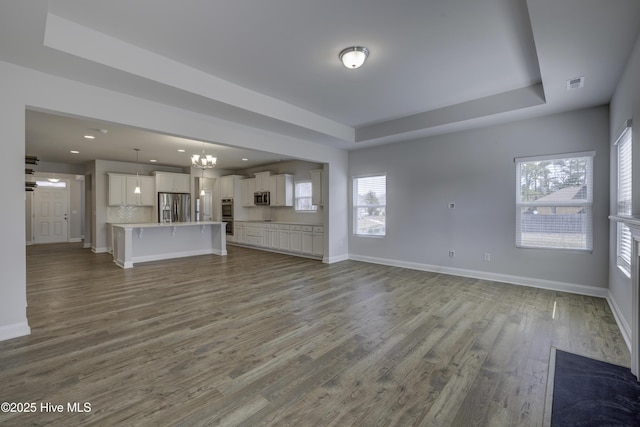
353 57
203 161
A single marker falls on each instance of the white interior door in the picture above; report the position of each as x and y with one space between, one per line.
50 215
206 205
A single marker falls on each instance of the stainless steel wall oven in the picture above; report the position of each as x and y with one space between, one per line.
227 215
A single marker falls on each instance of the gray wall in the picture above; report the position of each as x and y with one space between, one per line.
624 105
476 171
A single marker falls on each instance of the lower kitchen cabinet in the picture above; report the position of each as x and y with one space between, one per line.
295 238
283 237
318 241
238 232
254 235
307 239
304 240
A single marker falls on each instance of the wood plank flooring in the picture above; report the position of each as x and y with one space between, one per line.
258 338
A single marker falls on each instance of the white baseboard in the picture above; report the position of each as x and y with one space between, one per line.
496 277
333 259
75 240
14 330
100 250
87 245
624 327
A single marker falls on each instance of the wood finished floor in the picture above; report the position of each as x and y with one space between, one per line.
257 338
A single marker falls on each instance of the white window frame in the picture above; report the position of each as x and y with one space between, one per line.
585 204
297 197
624 144
357 207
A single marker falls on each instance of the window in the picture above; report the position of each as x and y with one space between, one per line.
553 201
623 246
303 197
370 205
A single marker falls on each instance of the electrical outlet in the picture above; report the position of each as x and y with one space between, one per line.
452 205
487 257
452 253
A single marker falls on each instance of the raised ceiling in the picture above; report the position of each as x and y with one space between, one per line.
435 66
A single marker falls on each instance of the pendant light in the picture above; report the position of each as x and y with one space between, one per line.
137 189
202 183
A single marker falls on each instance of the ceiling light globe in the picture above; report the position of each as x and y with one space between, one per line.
353 57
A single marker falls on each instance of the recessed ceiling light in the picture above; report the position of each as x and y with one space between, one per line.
153 160
181 151
90 137
74 152
245 160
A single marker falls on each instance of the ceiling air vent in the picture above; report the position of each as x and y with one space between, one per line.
576 83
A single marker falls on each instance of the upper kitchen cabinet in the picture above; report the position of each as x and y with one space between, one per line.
230 187
262 181
248 188
281 188
169 182
121 190
316 187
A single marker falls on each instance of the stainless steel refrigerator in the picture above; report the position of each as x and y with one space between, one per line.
174 207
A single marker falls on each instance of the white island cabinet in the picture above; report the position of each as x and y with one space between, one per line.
134 243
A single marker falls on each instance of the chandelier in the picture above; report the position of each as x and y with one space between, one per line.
203 161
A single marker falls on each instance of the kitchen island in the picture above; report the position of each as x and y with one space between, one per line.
135 243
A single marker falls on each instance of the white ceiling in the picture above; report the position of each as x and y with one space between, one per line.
435 66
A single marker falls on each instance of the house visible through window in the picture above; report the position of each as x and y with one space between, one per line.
623 247
303 191
554 201
370 205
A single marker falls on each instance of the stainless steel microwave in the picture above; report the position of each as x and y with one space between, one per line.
261 198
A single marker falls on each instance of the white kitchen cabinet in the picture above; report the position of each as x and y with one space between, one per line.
262 181
169 182
121 190
316 187
307 239
318 240
281 188
254 234
147 194
273 240
247 189
283 237
238 232
304 240
231 188
226 187
295 238
117 189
